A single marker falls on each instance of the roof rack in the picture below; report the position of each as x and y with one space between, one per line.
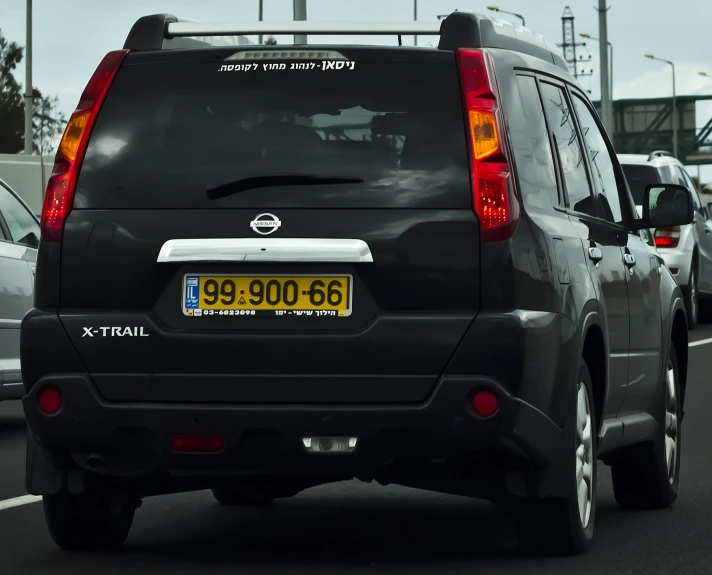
458 30
659 154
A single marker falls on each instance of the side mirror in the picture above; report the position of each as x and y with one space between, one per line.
665 206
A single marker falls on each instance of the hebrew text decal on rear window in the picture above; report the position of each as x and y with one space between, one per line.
324 65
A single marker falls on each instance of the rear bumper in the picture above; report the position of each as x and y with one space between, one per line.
678 259
135 439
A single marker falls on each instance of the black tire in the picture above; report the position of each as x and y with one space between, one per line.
87 522
641 475
692 300
555 526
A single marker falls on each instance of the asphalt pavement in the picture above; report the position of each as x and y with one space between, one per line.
362 528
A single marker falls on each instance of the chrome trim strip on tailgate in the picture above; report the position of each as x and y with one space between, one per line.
265 250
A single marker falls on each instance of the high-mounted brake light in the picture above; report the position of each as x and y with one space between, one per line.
494 200
70 153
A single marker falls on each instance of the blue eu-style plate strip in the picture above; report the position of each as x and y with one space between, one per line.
191 292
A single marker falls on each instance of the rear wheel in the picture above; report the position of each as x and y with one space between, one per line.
87 522
647 476
692 300
565 526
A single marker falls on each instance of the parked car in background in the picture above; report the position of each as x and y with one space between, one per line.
19 239
687 250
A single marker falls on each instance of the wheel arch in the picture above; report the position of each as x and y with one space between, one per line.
594 351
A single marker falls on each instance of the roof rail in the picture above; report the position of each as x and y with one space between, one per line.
311 28
659 154
458 30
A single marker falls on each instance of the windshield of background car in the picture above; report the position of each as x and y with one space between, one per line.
639 177
170 129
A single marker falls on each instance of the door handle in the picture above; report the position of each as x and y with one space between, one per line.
595 254
629 260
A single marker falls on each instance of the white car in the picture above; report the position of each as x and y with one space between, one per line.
19 239
687 250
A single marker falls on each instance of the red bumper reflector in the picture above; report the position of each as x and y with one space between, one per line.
485 403
198 443
50 401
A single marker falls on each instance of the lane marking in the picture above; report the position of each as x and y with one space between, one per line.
18 501
700 342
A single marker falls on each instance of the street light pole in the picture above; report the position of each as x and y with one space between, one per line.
260 11
28 81
674 103
496 8
415 19
300 13
606 103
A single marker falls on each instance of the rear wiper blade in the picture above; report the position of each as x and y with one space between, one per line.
236 186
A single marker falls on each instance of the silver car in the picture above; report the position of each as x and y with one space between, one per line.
19 239
687 250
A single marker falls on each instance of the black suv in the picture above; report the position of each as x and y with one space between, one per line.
267 268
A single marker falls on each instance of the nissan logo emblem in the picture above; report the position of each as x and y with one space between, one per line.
265 224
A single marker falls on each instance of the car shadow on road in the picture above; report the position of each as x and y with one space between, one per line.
408 529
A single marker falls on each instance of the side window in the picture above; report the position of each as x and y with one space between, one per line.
21 223
569 148
604 174
532 149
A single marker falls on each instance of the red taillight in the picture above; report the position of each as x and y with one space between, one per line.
70 153
200 443
667 237
485 403
49 401
494 200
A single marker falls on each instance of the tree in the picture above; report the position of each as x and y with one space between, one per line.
12 108
47 121
271 41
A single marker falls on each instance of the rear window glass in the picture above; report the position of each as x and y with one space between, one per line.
369 133
639 177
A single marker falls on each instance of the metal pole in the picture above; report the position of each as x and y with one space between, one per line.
674 114
28 81
415 19
300 13
260 14
611 65
603 51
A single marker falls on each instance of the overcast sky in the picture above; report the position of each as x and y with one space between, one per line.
71 36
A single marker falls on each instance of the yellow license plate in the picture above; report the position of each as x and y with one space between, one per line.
240 295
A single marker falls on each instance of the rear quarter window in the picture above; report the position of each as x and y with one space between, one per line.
532 148
169 130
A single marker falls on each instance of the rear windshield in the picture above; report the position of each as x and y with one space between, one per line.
639 177
357 133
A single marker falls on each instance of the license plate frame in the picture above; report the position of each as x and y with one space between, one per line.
269 312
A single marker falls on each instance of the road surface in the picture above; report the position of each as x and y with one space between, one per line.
361 528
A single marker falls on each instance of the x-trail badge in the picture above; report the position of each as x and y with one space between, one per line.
265 224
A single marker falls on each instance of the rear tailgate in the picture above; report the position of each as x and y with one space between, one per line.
361 159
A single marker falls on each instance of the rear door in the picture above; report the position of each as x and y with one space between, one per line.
19 237
274 230
602 241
